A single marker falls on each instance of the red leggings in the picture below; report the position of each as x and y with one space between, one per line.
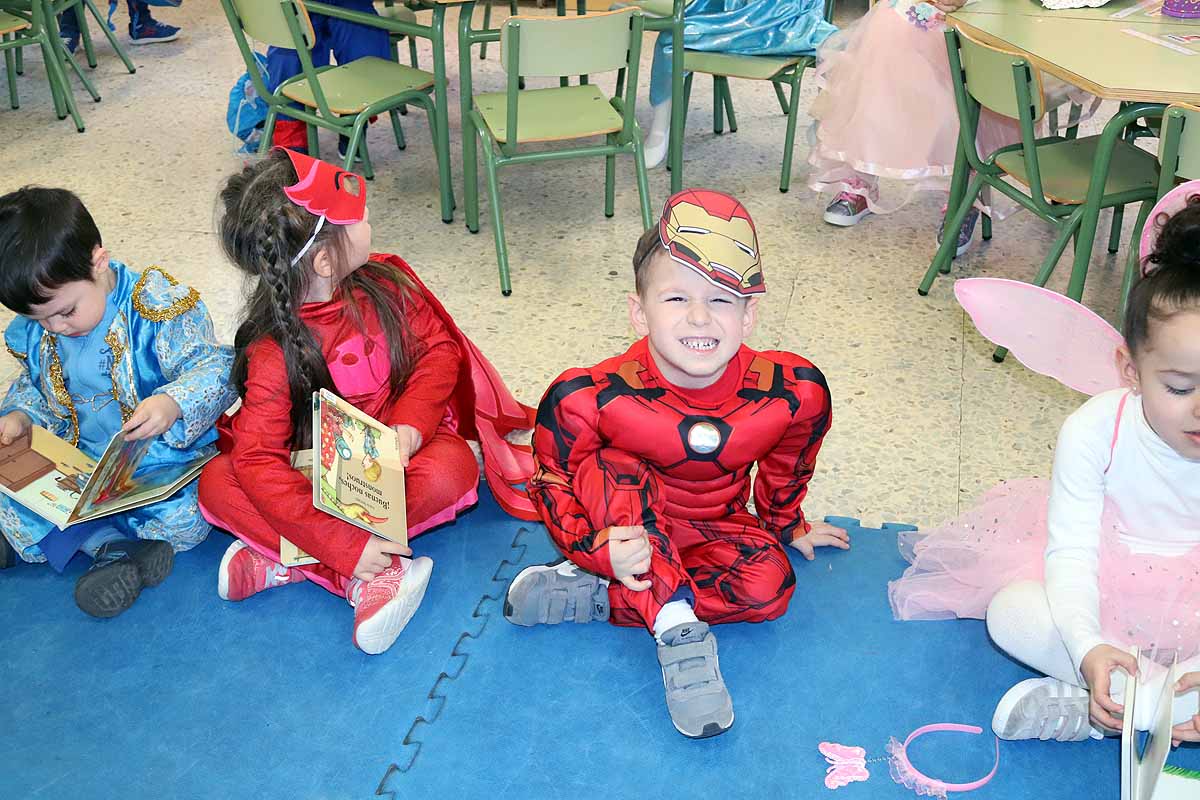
440 481
736 571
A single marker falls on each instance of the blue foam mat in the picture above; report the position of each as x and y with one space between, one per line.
185 695
559 710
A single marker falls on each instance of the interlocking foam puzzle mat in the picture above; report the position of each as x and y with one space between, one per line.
189 696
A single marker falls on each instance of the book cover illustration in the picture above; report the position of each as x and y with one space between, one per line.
63 486
359 477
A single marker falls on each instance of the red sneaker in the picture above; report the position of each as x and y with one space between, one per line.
245 572
290 133
384 606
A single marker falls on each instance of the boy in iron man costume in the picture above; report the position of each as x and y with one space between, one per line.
643 462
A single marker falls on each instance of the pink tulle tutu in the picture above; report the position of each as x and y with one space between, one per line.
886 108
1152 601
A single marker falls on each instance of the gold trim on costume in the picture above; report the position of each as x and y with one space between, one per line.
15 354
183 304
118 352
59 387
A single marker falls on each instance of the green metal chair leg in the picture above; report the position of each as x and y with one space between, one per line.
610 178
79 73
489 165
60 88
789 139
1114 232
85 36
399 131
987 227
945 251
779 95
1132 260
727 98
108 34
487 24
10 69
718 105
620 90
471 172
20 62
639 166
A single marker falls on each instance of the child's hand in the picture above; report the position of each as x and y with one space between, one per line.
153 416
629 552
1096 668
13 426
822 534
409 440
1187 731
377 556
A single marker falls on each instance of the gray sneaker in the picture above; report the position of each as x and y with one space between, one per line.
846 209
552 593
699 703
966 232
1044 708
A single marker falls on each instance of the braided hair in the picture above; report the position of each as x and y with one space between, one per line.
1172 280
261 231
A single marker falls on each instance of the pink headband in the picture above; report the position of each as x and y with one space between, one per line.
849 764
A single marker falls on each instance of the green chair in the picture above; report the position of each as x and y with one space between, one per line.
1056 171
400 13
781 71
29 23
1179 159
80 8
487 21
547 47
339 98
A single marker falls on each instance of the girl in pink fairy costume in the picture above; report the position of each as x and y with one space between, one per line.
886 111
1106 556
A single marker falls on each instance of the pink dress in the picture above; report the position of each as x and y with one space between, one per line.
1149 600
886 108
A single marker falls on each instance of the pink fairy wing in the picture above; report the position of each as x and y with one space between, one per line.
838 753
1048 332
1168 206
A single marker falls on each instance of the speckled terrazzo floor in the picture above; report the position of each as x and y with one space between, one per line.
924 421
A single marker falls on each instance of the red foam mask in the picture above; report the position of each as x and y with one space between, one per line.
327 191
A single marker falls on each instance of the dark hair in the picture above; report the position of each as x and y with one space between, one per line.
261 231
1173 284
648 244
47 238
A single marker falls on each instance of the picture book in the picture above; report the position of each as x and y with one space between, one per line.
59 483
357 475
1145 774
289 554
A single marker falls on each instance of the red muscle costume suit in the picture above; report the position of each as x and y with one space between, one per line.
251 489
618 445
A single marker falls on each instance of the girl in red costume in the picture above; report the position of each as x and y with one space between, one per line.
325 313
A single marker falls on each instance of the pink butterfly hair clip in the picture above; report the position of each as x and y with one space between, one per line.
847 764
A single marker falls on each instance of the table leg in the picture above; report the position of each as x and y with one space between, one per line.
441 113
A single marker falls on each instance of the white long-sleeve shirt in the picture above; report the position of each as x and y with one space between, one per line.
1156 490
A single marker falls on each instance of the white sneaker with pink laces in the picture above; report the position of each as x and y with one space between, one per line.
384 605
245 572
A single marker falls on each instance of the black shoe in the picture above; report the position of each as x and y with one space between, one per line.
8 556
153 558
120 572
110 586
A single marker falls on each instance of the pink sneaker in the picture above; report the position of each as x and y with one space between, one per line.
384 606
846 209
244 572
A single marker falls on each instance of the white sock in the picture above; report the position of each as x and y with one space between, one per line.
658 137
676 612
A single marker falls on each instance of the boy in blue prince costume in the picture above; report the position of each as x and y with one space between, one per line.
103 349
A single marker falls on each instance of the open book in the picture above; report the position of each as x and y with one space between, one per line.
59 483
357 476
1145 774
